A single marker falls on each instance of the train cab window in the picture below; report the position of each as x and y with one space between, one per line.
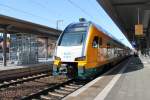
95 42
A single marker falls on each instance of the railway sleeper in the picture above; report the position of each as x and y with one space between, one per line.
5 82
62 91
1 84
56 94
43 97
48 97
72 87
12 81
75 85
67 89
20 80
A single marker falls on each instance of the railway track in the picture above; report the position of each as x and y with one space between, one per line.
39 87
57 91
16 89
6 84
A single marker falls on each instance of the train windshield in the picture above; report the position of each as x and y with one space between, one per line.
72 39
73 36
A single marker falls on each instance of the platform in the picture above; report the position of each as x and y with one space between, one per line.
12 66
41 61
127 81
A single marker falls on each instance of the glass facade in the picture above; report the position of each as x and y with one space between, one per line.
23 49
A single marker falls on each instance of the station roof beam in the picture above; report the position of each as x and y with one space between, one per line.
124 13
13 25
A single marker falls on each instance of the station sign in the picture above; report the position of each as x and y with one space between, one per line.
139 30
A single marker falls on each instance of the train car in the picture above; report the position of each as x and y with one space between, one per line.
84 49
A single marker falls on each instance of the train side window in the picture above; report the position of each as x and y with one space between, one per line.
100 41
108 45
95 42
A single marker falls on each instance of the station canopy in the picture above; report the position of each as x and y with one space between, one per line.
12 25
125 14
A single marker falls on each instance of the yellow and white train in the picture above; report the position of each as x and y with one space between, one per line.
84 49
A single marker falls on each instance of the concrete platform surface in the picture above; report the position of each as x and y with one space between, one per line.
129 80
10 65
13 66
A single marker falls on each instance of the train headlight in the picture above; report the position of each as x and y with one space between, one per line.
55 70
57 58
80 58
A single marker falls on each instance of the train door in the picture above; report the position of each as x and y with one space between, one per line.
95 45
99 49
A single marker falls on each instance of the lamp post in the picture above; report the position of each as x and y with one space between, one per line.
4 48
57 23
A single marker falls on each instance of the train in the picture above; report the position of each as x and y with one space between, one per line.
85 49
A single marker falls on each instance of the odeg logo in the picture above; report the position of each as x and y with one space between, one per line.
67 55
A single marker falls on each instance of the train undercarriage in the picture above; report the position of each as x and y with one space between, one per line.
72 70
68 69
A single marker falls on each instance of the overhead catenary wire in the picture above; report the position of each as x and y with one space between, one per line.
81 9
48 10
25 12
95 8
43 6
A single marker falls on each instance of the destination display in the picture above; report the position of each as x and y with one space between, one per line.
81 27
76 29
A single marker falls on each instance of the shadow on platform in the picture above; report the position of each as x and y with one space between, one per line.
134 65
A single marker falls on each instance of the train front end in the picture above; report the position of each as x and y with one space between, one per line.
70 55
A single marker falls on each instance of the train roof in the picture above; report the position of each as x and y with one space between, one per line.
108 34
88 23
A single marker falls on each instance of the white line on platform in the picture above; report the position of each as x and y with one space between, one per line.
107 89
82 89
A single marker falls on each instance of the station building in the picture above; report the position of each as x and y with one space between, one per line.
24 42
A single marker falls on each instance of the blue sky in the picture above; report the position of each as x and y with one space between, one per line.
47 12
